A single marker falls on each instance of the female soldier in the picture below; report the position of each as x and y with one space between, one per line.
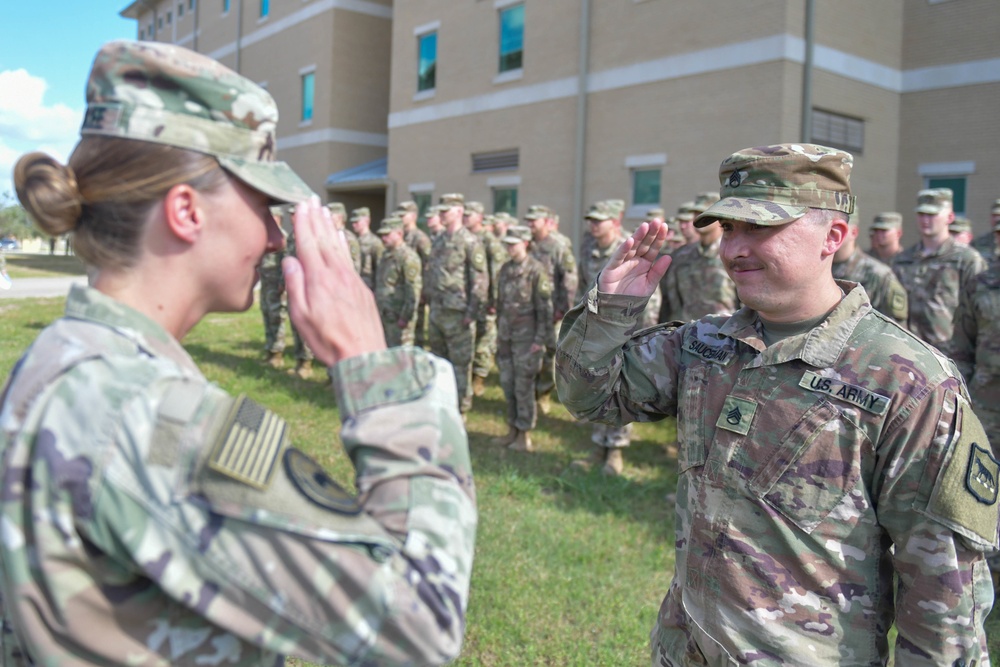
147 516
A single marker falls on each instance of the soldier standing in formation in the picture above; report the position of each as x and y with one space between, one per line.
338 215
697 284
987 244
418 240
272 302
960 230
457 293
486 326
935 270
524 324
886 235
824 451
884 290
397 284
371 246
557 258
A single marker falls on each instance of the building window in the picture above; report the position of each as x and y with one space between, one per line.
191 5
265 8
497 161
159 23
427 67
505 200
308 92
954 183
511 38
645 186
180 10
142 34
170 17
838 131
423 202
225 6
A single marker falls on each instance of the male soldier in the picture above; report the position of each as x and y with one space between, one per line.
886 236
457 293
685 220
935 270
524 324
825 453
418 240
397 284
557 258
960 229
689 210
272 304
850 262
986 245
501 222
434 225
338 215
486 326
697 283
675 237
371 246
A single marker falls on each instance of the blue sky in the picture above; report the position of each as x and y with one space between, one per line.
46 48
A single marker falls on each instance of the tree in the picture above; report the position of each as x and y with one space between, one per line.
14 219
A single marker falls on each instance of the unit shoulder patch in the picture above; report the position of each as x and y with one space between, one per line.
863 398
317 485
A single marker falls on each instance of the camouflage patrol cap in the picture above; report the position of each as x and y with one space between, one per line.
517 234
933 200
960 224
503 217
995 210
452 199
601 211
888 220
686 212
616 205
654 213
408 206
359 213
703 201
337 208
436 209
474 207
390 224
166 94
537 212
673 225
775 185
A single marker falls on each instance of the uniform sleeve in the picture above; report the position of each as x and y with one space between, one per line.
965 333
477 279
605 373
412 285
938 503
264 545
565 296
542 297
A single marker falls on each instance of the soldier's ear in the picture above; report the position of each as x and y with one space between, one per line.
835 236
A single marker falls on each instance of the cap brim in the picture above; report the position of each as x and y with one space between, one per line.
275 179
929 210
753 211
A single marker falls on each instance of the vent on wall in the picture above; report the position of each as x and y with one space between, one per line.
496 161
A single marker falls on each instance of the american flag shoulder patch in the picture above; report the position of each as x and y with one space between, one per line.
250 445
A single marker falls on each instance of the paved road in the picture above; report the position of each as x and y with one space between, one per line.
23 288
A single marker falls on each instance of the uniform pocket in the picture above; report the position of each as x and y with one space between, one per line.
692 443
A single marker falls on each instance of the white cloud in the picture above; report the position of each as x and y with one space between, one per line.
27 124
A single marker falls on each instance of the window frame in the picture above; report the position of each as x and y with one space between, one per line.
634 184
422 75
307 74
503 66
497 191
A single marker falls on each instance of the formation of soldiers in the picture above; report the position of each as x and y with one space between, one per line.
482 290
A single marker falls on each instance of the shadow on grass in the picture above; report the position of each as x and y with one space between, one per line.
69 265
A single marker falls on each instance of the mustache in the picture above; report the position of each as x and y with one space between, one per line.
743 264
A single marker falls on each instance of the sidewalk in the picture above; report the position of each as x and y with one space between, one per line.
24 288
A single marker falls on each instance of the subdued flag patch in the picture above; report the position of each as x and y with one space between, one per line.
250 443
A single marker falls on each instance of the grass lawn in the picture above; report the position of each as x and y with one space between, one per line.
570 566
42 266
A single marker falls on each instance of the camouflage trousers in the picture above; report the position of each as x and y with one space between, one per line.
396 335
519 368
272 308
451 340
486 346
420 330
612 437
547 376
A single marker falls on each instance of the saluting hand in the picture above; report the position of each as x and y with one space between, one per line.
636 267
331 307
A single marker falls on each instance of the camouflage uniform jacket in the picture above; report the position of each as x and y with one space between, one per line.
496 256
800 464
557 258
933 283
417 239
371 252
976 347
696 284
134 532
524 308
354 247
398 283
884 290
458 278
986 245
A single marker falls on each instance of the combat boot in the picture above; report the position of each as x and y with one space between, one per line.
543 404
522 443
507 438
303 369
596 458
614 463
275 359
478 385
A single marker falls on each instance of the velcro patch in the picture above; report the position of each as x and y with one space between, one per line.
737 415
717 355
853 394
317 485
249 444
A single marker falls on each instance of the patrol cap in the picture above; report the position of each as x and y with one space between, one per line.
517 234
960 224
503 217
390 224
654 213
602 210
408 206
934 200
336 207
359 213
996 207
673 224
888 220
775 185
436 209
537 212
703 201
166 94
452 199
474 207
616 205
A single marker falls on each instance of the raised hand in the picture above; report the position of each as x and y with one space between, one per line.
636 267
332 309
